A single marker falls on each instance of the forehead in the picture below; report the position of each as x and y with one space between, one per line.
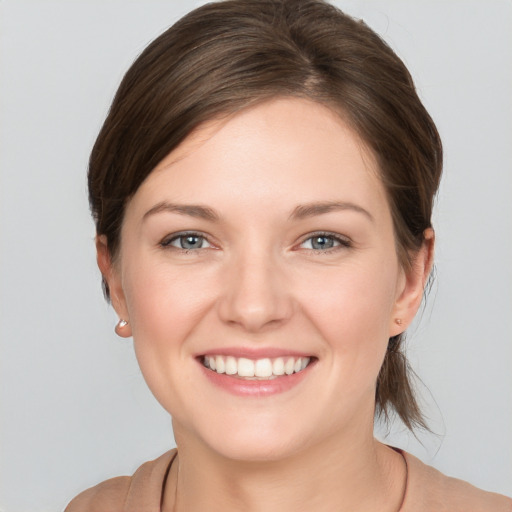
277 116
276 153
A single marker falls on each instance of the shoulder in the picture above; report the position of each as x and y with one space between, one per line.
124 492
108 496
428 490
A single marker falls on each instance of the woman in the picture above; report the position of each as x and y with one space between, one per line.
262 190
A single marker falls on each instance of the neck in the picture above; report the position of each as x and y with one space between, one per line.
357 476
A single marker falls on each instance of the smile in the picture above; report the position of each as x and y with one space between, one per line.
258 369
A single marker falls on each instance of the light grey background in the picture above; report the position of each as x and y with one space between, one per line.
74 407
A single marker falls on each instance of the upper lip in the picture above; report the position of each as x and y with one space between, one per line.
254 352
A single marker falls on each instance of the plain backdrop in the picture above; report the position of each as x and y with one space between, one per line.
74 407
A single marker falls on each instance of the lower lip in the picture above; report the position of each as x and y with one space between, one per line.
257 388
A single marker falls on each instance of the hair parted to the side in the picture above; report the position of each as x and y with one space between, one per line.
226 56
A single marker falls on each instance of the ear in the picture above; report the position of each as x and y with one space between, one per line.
412 286
112 276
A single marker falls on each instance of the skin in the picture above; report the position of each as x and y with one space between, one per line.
257 281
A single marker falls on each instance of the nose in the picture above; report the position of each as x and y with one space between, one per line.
255 295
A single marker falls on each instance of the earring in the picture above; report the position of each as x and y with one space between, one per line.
123 328
398 321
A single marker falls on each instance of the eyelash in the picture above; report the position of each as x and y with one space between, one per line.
343 242
166 243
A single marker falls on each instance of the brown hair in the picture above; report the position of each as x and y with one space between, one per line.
228 55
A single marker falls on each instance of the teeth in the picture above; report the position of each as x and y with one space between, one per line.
289 366
231 365
245 367
278 366
263 368
256 369
220 365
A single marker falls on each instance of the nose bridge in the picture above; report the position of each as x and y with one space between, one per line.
255 294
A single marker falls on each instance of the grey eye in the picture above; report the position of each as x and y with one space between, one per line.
320 242
191 242
188 241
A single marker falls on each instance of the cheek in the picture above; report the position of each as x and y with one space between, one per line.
358 296
166 306
344 312
163 299
352 312
349 305
163 304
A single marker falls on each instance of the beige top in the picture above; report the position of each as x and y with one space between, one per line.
428 490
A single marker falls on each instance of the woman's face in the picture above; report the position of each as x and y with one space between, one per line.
263 244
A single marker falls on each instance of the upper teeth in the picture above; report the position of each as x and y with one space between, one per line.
263 368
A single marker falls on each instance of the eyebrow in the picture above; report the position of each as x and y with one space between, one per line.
313 209
193 210
299 212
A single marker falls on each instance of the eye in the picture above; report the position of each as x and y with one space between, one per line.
186 242
324 242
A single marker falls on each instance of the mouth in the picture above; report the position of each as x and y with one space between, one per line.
264 369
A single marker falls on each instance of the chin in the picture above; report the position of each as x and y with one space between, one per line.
260 440
258 449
